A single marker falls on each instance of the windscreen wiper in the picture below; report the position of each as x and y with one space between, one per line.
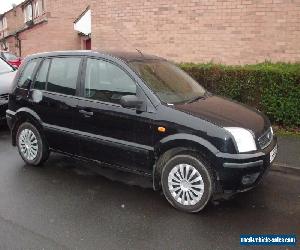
196 98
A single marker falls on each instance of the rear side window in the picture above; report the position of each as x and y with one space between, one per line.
9 56
63 75
27 74
41 76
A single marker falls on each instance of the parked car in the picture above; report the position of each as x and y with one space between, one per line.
12 59
142 114
7 74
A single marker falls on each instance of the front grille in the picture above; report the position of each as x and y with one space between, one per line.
265 140
3 98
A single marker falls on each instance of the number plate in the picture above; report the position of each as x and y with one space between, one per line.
273 154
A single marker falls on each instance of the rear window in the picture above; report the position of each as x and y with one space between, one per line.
9 56
63 75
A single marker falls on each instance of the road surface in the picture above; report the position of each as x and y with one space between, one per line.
69 204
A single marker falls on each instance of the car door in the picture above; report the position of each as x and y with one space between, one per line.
56 83
110 132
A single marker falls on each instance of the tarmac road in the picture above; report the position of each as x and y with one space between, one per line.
72 204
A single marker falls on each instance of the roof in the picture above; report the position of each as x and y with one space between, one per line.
132 56
123 55
82 14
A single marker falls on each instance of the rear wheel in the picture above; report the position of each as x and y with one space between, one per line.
187 182
31 144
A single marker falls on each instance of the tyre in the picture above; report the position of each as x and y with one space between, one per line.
31 144
187 182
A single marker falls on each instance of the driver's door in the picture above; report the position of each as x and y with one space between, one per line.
110 132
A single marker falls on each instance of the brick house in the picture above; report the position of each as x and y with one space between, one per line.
226 31
41 25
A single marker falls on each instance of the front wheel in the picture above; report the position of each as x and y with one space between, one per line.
187 182
31 144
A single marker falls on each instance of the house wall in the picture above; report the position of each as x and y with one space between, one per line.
15 19
226 31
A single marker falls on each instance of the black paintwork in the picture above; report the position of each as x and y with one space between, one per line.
128 138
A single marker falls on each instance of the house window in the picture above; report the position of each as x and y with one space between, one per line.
27 13
38 8
3 27
3 24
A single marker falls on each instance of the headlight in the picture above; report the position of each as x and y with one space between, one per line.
243 139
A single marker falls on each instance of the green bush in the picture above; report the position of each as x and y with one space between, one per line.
273 88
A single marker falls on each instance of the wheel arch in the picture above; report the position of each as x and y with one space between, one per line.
179 143
25 115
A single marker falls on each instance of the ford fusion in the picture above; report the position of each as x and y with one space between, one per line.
142 114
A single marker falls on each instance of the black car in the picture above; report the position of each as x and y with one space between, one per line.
7 74
142 114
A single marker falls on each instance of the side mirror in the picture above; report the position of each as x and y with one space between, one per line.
131 101
36 96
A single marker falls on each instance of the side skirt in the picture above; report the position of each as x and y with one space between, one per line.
121 168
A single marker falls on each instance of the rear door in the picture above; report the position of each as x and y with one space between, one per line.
56 81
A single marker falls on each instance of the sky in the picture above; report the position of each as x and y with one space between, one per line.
6 5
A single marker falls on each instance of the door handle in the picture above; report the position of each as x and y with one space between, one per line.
86 113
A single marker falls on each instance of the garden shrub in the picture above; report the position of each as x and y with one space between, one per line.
273 88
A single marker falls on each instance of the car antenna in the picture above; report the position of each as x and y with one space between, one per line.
139 52
125 39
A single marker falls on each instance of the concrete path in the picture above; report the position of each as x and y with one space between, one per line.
288 158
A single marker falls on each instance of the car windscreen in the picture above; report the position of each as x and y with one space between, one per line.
9 56
5 67
171 84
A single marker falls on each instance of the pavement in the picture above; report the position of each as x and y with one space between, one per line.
69 204
288 158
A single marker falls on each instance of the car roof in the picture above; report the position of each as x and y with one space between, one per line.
123 55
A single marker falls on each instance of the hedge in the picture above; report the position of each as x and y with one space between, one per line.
273 88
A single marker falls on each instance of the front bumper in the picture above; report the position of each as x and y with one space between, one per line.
241 172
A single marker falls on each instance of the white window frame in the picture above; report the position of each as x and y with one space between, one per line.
38 8
28 13
4 23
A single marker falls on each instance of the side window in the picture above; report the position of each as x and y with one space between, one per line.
41 76
63 75
27 74
106 82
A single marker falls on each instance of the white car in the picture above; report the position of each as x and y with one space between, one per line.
7 74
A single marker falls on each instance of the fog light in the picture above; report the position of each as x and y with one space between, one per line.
249 178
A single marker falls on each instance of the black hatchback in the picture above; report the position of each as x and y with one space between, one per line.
142 114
